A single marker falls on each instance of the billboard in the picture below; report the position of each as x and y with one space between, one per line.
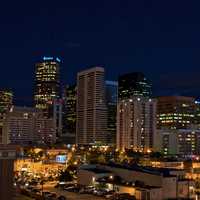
61 159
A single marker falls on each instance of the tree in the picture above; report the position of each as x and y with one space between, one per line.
40 153
65 176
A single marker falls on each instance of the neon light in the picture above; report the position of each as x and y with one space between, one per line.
58 59
47 58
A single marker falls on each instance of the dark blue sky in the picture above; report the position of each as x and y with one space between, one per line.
160 38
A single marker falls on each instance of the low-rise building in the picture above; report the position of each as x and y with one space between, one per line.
142 182
27 126
180 141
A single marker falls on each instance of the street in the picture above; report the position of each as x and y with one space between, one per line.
21 197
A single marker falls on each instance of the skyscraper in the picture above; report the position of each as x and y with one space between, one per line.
47 84
136 113
134 84
175 112
69 114
91 107
136 123
111 104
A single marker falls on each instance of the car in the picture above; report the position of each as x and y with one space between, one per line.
36 190
100 192
46 194
124 196
61 198
109 196
52 195
57 185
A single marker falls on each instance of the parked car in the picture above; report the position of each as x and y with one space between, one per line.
61 198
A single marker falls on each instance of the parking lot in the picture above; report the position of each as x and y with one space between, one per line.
71 195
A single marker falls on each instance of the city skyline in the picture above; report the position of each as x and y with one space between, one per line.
100 100
27 98
157 38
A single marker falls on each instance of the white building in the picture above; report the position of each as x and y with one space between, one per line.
91 108
136 123
144 183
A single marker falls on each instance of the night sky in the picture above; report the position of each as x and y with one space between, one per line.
160 38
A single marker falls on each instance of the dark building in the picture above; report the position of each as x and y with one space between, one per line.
6 100
134 84
111 103
57 116
7 156
47 84
175 112
69 114
6 103
197 113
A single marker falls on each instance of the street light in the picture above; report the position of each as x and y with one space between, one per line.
112 179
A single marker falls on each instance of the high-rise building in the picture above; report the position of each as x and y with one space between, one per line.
6 100
111 103
136 123
134 84
91 107
175 112
69 114
47 84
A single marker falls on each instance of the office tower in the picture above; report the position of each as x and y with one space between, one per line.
6 100
175 112
91 108
136 123
69 114
28 126
47 84
134 84
111 104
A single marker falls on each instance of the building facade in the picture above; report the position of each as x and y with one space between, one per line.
47 84
136 123
91 126
134 84
7 157
27 126
57 116
69 114
180 142
6 100
175 112
111 104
